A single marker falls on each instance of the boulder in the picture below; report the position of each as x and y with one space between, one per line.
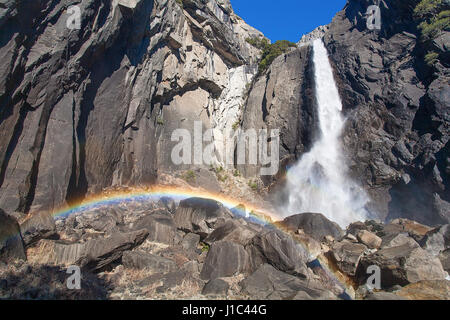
444 257
280 250
368 238
347 256
355 227
413 228
91 255
270 283
426 290
161 228
225 259
437 240
383 296
200 216
38 226
315 225
190 241
168 203
395 240
402 265
233 231
11 244
216 287
141 260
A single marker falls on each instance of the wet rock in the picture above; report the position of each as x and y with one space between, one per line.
279 250
216 287
225 259
11 244
141 260
38 226
315 225
200 216
168 203
402 265
371 240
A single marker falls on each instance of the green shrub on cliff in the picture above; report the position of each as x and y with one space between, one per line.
270 50
434 16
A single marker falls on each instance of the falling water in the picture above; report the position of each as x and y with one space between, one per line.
319 182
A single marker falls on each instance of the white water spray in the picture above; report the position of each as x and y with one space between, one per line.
319 182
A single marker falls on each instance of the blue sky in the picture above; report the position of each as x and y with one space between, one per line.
286 19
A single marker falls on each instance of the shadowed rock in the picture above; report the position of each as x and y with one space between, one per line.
11 244
93 254
216 287
402 265
225 259
200 216
315 225
270 283
161 228
279 250
38 226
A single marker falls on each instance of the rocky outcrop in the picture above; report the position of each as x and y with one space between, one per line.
397 121
200 216
38 226
315 225
11 243
73 122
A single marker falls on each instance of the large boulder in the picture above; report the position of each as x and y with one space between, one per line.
142 260
368 238
233 231
437 240
347 256
38 226
161 228
11 244
270 283
200 216
279 250
426 290
402 265
396 240
225 259
315 225
91 255
216 287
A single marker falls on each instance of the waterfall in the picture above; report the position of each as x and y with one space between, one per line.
319 182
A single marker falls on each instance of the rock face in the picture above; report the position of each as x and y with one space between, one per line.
11 243
73 122
397 109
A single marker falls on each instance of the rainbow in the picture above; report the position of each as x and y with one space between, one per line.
154 193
